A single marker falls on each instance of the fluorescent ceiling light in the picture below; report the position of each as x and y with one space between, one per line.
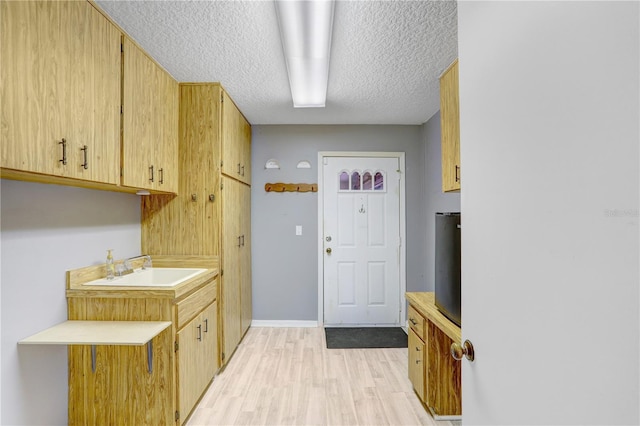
305 30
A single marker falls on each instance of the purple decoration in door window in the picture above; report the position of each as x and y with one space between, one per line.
367 181
378 182
344 181
355 181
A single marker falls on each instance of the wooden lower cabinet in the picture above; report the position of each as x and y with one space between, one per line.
444 388
197 348
436 376
417 358
122 390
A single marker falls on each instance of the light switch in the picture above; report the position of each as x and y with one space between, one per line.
298 229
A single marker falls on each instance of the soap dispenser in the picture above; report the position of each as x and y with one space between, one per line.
111 267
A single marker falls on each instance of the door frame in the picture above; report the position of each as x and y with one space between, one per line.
403 228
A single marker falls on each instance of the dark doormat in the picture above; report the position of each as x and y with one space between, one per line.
365 337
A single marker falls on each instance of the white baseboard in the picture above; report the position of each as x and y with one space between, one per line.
284 323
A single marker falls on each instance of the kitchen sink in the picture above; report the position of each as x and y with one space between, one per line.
151 277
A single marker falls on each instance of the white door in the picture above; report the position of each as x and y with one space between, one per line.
361 235
550 212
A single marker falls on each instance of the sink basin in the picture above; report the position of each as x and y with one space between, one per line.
154 277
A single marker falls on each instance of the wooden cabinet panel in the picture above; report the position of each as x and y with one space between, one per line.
417 362
212 213
189 307
444 389
231 266
137 132
121 391
94 96
245 260
189 360
197 358
210 346
60 79
31 91
450 128
435 374
236 142
184 225
416 322
149 126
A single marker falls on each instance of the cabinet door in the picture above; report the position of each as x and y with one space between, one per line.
93 131
33 88
166 131
138 170
210 342
230 259
245 260
60 79
230 149
149 126
245 141
444 375
450 128
417 362
190 359
236 142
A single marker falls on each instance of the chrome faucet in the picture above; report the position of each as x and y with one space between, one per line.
128 269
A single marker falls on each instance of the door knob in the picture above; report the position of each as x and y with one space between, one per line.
328 250
466 350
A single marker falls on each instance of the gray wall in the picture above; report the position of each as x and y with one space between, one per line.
285 266
46 230
435 199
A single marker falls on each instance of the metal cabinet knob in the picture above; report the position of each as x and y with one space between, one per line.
328 250
465 350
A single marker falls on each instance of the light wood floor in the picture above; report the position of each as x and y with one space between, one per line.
286 376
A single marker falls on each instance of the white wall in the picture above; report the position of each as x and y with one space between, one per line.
45 231
285 266
549 114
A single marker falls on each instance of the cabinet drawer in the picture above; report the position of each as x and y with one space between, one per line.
416 322
193 304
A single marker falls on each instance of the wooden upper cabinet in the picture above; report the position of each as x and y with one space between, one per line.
149 124
60 90
450 127
236 142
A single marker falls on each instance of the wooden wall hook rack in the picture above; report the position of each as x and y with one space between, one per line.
291 187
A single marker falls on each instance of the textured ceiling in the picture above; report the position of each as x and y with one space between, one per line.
386 56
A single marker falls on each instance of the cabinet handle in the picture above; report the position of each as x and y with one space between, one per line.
418 361
161 171
412 321
84 149
457 173
417 349
64 151
242 240
238 240
151 173
206 325
242 170
212 197
238 168
200 332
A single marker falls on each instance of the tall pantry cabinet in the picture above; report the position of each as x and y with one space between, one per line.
212 213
